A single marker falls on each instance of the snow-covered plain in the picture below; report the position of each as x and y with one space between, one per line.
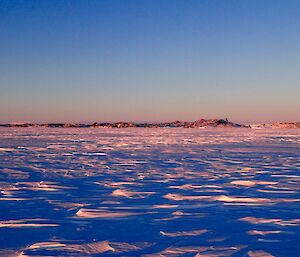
149 192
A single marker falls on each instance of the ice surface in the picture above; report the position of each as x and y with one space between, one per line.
149 192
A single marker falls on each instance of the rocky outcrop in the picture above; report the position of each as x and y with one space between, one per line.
202 123
215 123
278 125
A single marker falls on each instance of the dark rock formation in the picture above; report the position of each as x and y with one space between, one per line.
202 123
278 125
224 123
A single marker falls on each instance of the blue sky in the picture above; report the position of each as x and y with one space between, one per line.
84 61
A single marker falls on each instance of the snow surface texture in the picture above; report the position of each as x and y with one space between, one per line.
149 192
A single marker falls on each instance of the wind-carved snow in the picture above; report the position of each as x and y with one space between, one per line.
149 192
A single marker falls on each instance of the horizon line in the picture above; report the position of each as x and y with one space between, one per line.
140 122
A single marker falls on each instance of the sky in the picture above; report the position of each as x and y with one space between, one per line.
148 60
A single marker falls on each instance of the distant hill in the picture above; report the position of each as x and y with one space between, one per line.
201 123
278 125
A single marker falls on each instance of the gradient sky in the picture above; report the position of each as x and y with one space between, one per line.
82 61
